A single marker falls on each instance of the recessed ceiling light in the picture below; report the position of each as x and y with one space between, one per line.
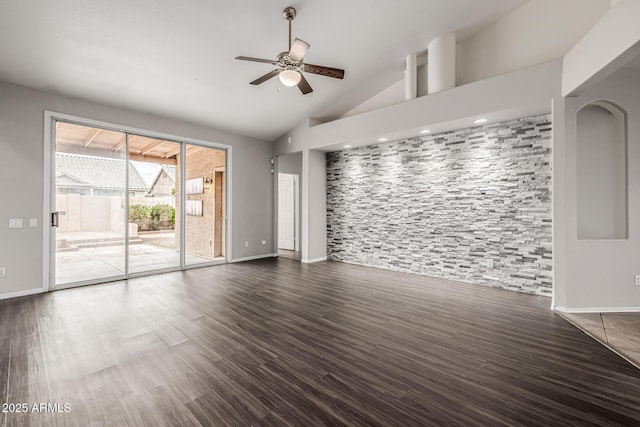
347 146
425 131
382 139
480 121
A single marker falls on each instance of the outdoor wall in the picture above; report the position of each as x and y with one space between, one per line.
22 159
83 213
98 213
471 205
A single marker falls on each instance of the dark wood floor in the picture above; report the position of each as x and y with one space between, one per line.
277 342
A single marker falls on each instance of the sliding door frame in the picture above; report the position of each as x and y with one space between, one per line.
50 120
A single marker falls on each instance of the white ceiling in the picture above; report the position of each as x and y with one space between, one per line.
176 59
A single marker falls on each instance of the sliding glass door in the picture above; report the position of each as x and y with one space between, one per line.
90 174
118 205
154 243
205 204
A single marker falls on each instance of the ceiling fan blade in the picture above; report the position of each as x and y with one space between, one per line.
304 85
336 73
248 58
266 77
298 49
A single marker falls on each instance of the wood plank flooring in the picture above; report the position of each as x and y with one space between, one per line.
277 342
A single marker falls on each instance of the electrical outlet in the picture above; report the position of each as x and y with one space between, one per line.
637 280
246 244
3 272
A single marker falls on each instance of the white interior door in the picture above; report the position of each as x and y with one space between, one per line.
286 211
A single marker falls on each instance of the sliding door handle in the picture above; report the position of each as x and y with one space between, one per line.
54 219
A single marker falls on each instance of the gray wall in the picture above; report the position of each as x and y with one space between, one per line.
471 205
521 93
314 223
290 163
599 274
22 181
602 173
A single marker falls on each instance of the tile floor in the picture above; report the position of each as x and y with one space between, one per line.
618 331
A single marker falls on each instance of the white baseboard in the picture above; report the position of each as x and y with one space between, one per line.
311 261
251 258
21 293
578 310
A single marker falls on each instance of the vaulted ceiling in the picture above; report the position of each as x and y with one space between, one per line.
176 59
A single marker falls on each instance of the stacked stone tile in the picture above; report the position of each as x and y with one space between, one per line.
472 205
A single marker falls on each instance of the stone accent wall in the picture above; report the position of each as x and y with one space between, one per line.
472 205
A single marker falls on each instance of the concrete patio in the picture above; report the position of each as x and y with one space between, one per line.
85 256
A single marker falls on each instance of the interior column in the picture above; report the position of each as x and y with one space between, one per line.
441 64
314 206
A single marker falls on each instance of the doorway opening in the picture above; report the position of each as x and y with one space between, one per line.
288 216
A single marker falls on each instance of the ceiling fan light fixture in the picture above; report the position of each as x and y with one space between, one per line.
289 77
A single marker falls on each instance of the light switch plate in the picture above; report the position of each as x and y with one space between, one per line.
3 272
15 223
637 280
33 222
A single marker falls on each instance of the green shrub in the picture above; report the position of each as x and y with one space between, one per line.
139 213
151 218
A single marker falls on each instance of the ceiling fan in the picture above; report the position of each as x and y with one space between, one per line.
290 65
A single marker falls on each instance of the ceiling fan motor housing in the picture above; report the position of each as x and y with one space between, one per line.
285 61
289 13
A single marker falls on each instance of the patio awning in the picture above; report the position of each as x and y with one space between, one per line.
77 139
